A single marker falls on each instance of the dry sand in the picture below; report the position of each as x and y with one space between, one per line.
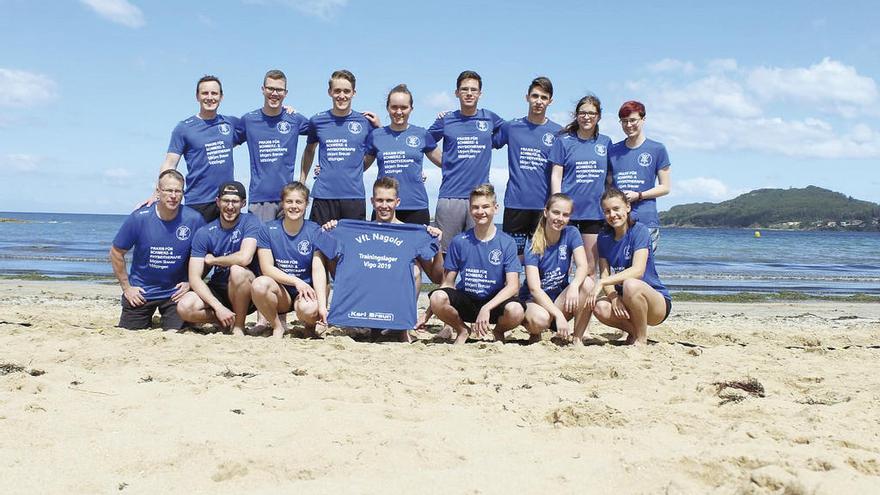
150 412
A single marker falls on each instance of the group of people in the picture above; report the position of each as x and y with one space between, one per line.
572 195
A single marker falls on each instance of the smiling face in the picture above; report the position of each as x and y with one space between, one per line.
632 125
385 202
399 108
294 205
274 91
468 93
588 117
230 207
538 100
209 96
170 191
616 211
341 92
483 209
558 214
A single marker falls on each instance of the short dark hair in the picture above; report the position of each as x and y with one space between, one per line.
543 83
341 74
173 173
274 74
469 74
629 107
387 182
209 78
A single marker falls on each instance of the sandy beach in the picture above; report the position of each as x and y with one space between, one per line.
96 409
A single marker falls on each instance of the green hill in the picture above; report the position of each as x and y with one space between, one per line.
808 208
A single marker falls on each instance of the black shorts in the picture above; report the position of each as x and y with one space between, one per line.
324 210
209 211
142 316
222 295
520 224
668 309
468 307
588 226
422 217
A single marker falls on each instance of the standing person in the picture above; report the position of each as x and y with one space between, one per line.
529 140
161 236
489 267
341 133
634 297
640 168
272 137
227 246
467 155
550 299
205 140
580 169
398 149
293 271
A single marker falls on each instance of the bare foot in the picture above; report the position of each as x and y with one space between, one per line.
278 332
238 332
461 338
577 342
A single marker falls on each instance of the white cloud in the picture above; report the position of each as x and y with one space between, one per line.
672 65
322 9
118 11
19 88
703 187
442 101
828 81
21 162
721 65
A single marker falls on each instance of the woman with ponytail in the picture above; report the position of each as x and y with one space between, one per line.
551 300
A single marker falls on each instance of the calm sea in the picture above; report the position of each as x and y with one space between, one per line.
698 260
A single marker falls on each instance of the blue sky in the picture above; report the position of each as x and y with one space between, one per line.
744 94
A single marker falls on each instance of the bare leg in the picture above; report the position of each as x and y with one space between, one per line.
583 313
444 311
644 304
592 252
605 314
240 280
270 299
307 313
192 309
536 320
510 319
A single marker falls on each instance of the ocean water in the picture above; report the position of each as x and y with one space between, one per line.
68 246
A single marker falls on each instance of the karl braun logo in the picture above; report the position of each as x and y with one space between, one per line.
224 129
645 159
283 127
303 247
482 125
495 256
548 139
355 127
413 141
182 232
601 150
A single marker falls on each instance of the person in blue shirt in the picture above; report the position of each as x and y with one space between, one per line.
161 236
484 261
342 134
226 246
632 296
580 168
528 140
640 168
272 137
467 154
293 270
550 299
398 149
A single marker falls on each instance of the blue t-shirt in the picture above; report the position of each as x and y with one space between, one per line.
554 264
340 154
584 170
399 155
215 240
619 254
272 143
161 249
374 285
482 266
206 146
528 146
636 170
467 150
292 253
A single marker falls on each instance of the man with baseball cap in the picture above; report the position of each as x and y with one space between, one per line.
226 245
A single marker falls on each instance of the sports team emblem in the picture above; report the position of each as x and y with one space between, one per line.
355 127
601 149
482 125
547 139
413 141
283 127
303 247
224 129
645 159
182 232
563 252
236 235
627 253
495 256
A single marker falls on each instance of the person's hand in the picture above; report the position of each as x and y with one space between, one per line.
224 316
305 291
481 324
322 316
209 259
182 288
289 109
562 328
134 296
572 298
374 119
619 309
330 225
434 232
631 196
148 202
594 297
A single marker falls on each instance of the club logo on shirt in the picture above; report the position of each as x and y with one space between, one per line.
563 252
182 232
283 127
601 150
236 235
413 141
645 159
224 129
303 247
355 127
627 253
548 139
495 256
482 125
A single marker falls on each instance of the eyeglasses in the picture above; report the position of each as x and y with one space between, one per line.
271 90
592 115
630 121
172 192
230 202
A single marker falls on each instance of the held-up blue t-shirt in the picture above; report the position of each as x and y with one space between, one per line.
206 146
467 150
554 264
584 170
619 254
374 285
292 253
161 249
482 265
213 239
636 170
340 154
528 146
399 155
272 143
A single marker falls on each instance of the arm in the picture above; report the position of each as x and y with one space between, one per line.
368 160
556 179
433 267
307 159
436 156
198 285
134 295
533 281
267 266
242 257
449 280
170 163
510 289
664 184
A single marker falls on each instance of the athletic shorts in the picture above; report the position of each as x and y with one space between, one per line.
209 211
266 211
142 316
521 224
453 217
222 295
419 217
589 226
324 210
468 307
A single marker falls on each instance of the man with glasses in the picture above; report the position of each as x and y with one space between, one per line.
640 168
272 135
226 245
161 235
